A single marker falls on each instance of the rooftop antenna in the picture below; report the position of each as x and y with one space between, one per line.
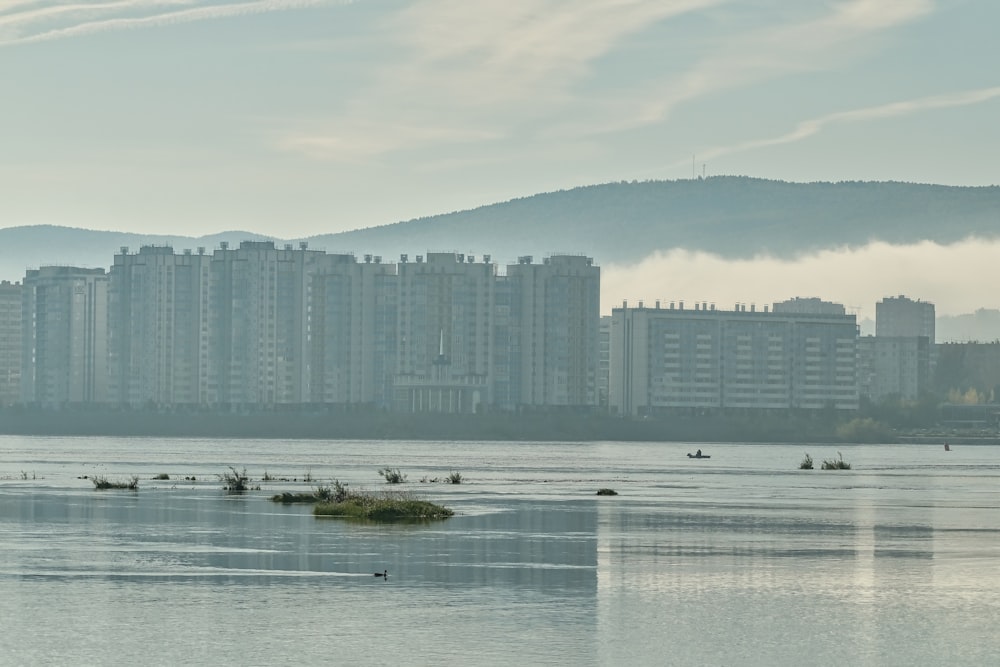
693 175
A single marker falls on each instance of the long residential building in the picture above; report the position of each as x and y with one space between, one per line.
260 327
707 359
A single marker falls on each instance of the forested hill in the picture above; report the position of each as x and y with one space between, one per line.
614 223
728 216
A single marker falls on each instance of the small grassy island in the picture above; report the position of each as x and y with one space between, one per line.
382 507
339 501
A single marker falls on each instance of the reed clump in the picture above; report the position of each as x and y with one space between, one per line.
236 481
836 464
102 483
392 475
331 493
807 463
607 492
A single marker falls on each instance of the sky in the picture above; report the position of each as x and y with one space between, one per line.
300 117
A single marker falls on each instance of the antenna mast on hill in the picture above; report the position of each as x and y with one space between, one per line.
693 168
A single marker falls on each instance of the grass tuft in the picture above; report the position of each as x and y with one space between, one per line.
455 478
607 492
836 464
236 481
392 475
102 483
807 463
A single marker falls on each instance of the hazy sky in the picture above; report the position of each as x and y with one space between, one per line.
298 117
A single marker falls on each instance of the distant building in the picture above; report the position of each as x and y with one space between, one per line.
352 331
258 325
158 327
808 306
444 334
555 308
11 295
894 367
604 363
902 317
65 336
707 359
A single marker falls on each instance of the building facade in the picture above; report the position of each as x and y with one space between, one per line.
900 317
555 311
444 334
707 359
64 330
158 327
11 296
897 367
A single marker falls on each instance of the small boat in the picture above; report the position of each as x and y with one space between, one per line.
699 455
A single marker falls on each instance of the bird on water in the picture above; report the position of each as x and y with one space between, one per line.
383 573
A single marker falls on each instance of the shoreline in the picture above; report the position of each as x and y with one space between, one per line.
372 425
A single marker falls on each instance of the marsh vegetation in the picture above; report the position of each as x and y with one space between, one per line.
102 483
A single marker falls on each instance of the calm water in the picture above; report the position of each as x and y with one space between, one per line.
738 560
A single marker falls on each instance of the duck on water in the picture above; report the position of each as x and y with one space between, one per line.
383 573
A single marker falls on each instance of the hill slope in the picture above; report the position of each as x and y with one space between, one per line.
735 217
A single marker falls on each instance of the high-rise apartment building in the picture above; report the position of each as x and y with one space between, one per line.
258 324
352 332
555 309
668 359
900 317
64 336
896 367
158 327
11 295
444 334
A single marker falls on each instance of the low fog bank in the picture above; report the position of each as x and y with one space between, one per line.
957 278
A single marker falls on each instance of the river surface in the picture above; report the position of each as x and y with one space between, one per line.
740 559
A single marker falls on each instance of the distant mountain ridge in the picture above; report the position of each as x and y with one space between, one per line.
730 216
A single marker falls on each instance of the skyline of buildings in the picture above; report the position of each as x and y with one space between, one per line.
258 326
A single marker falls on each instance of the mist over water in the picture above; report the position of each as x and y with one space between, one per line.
953 277
738 559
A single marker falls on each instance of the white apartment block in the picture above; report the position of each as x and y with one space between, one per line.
11 296
64 336
555 309
258 324
352 331
158 327
444 334
707 359
896 367
903 317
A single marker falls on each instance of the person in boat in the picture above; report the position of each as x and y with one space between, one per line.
697 454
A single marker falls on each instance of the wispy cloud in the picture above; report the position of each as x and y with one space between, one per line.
485 69
524 70
813 126
25 22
